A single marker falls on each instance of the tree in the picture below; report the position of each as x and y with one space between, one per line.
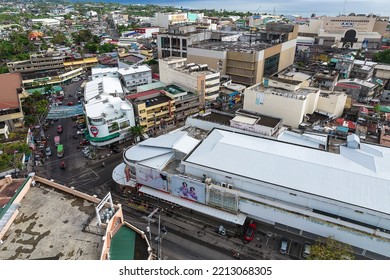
59 39
330 249
383 56
91 47
136 131
105 48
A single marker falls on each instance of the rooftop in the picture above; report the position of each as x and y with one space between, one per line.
9 84
355 176
50 225
260 119
232 46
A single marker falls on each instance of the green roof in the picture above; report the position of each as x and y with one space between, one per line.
123 244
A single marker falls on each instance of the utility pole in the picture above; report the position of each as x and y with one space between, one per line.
149 219
159 238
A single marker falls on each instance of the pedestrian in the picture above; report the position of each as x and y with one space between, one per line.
191 211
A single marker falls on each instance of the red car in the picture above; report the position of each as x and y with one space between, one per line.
250 231
70 104
60 129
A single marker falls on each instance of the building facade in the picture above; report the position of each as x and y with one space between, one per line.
197 78
287 100
304 190
246 62
38 62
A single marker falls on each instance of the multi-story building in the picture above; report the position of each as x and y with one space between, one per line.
325 80
186 102
362 70
166 19
11 114
358 89
246 62
287 100
154 109
176 40
352 31
109 117
194 77
307 191
134 76
131 76
38 62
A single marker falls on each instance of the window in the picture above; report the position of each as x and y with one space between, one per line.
271 64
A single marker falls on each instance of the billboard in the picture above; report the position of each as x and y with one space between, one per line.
152 178
189 189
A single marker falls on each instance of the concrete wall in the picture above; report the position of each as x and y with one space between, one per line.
332 104
287 54
291 110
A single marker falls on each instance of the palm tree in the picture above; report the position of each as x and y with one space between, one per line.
136 131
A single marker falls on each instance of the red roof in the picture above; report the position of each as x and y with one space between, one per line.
351 125
9 84
340 121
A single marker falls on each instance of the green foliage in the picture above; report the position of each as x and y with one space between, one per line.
60 39
3 69
85 36
105 48
91 47
330 249
383 56
136 131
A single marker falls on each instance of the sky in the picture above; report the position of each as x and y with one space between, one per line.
286 7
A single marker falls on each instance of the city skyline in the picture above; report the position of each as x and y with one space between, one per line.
298 7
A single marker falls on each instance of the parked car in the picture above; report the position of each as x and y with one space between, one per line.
48 151
250 231
70 104
76 79
80 132
283 246
60 128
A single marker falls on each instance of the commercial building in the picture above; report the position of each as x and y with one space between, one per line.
175 41
354 32
154 109
265 52
198 78
11 113
306 191
109 116
46 21
286 99
166 19
131 76
38 62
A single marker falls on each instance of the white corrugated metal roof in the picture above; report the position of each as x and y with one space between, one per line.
356 176
238 219
307 140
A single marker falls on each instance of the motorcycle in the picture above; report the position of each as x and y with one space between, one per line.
62 165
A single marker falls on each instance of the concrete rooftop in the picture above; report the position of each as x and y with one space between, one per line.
50 226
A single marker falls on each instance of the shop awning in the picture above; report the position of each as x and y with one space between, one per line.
238 219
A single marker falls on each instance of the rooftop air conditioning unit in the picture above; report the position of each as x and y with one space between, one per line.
230 187
223 184
208 181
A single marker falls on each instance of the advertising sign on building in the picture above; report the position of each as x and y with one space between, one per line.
94 130
189 189
152 178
